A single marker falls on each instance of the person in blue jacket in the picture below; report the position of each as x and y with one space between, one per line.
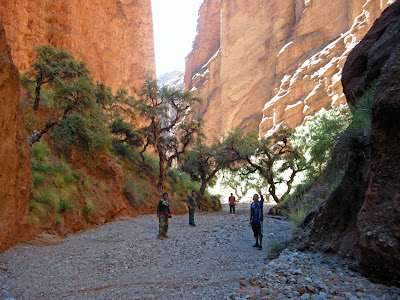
256 219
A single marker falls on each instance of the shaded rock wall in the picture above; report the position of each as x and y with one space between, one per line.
15 175
114 37
370 190
277 61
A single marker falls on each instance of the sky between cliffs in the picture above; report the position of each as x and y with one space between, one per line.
174 24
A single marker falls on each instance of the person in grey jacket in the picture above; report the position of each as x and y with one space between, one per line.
191 205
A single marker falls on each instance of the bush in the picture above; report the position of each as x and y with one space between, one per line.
88 208
122 149
40 152
77 131
276 247
58 220
37 179
135 192
64 205
37 212
45 199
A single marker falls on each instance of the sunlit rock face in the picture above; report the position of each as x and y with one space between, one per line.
15 175
258 64
114 37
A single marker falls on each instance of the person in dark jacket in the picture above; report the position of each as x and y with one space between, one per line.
163 213
256 219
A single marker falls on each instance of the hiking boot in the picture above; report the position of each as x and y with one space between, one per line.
194 225
256 245
259 247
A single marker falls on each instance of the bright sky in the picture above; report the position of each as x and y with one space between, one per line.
174 24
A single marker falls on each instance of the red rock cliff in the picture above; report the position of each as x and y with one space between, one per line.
257 64
362 216
114 37
15 175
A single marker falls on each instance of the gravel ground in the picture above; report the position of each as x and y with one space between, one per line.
125 260
215 260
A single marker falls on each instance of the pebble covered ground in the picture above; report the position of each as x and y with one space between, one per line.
215 260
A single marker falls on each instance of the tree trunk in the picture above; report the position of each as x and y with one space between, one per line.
37 94
161 178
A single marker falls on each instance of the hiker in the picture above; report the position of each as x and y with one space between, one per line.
231 204
163 213
191 205
256 219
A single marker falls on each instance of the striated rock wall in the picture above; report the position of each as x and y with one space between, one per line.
114 37
277 61
15 175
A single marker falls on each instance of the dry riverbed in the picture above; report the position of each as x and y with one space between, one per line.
215 260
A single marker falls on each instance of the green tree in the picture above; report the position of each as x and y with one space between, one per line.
261 156
50 64
204 162
169 130
125 133
318 137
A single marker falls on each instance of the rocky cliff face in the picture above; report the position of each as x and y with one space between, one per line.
15 175
362 216
257 64
114 37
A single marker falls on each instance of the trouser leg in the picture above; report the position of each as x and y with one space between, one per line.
191 216
163 225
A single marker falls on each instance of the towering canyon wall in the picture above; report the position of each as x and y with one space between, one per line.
15 175
258 64
114 37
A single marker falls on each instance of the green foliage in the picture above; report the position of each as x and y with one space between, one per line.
40 152
50 65
30 121
58 220
123 150
103 95
318 137
37 179
77 96
88 208
64 205
361 119
77 131
37 212
135 191
45 199
125 132
168 130
276 247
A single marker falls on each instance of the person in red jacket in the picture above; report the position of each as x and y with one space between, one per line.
231 204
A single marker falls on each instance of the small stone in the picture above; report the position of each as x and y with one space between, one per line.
305 296
360 289
264 292
360 295
301 289
310 288
371 297
243 282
